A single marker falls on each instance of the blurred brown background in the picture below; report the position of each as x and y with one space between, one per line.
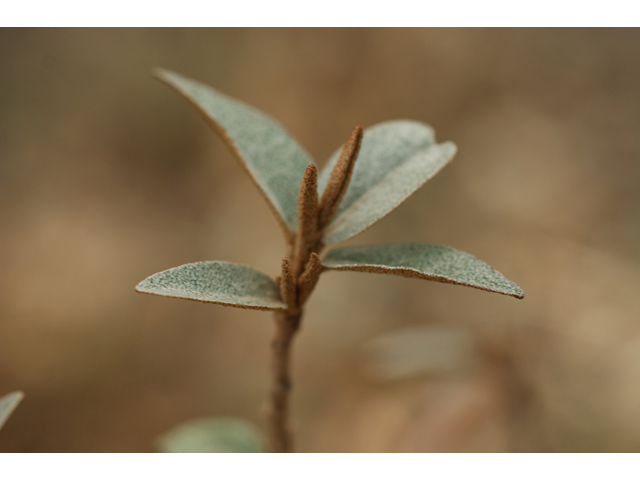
106 176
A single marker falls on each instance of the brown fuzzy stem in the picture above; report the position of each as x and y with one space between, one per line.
339 179
299 275
309 278
287 285
306 237
279 431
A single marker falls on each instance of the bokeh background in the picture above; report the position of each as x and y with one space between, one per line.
107 176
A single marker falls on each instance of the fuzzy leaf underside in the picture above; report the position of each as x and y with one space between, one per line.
274 159
8 403
224 283
422 260
213 435
384 178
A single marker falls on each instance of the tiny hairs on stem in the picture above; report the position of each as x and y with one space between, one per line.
340 177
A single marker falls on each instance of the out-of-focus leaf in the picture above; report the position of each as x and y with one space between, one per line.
8 403
273 158
418 351
395 159
213 435
422 260
216 282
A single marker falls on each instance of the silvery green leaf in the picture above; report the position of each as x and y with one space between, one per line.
213 435
396 158
8 403
216 282
422 260
424 350
273 158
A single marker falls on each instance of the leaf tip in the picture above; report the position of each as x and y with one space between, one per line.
8 404
162 74
141 287
451 146
519 293
17 396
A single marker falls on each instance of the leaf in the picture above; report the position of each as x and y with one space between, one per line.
8 403
422 260
338 180
395 159
273 158
213 435
418 351
216 282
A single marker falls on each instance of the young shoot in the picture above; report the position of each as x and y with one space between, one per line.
374 172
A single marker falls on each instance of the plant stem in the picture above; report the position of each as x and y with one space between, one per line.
287 324
300 273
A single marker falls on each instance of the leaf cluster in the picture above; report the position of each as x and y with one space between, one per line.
364 180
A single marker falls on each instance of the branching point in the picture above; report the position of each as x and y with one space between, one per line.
309 278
